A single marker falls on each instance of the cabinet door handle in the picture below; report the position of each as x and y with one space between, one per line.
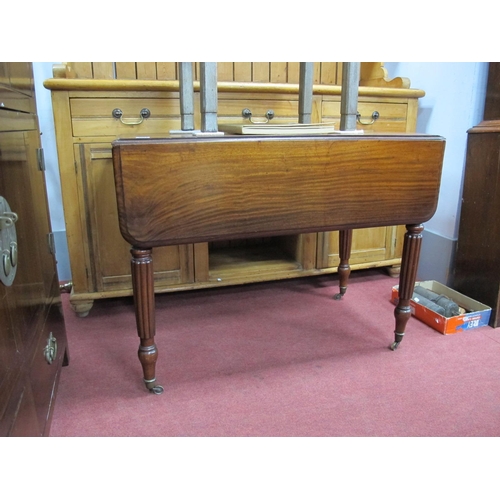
118 114
7 219
50 350
8 243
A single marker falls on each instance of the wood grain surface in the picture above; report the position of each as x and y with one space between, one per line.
185 190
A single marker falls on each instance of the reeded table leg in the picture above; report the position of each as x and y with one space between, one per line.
345 243
409 264
144 300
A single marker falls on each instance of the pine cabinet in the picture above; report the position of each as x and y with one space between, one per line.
94 103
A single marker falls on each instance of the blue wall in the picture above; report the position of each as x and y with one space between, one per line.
454 102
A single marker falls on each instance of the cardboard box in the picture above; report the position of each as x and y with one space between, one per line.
479 314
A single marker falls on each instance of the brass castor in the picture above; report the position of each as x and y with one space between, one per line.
151 385
395 344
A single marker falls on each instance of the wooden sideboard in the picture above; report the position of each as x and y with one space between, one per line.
32 331
85 98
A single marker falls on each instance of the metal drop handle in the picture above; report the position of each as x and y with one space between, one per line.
9 259
118 114
246 113
50 350
375 116
7 263
8 243
7 219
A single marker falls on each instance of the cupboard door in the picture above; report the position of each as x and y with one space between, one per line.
40 218
18 184
23 303
109 254
370 247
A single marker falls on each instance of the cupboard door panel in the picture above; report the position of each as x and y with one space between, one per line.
18 180
369 246
109 252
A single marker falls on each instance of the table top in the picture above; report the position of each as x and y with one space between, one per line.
178 190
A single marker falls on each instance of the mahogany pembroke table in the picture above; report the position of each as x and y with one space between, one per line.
181 190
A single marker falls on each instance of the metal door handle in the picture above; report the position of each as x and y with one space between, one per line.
50 350
8 243
7 219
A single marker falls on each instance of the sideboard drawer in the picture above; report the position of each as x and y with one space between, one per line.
376 116
94 117
284 110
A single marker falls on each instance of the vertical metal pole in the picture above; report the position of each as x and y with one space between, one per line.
305 91
348 117
208 91
349 96
186 95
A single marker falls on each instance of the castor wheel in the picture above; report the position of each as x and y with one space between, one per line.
157 389
395 344
151 385
338 296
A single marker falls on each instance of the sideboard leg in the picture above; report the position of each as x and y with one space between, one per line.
345 243
409 265
81 307
144 301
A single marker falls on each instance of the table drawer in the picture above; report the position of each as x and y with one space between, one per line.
392 117
94 117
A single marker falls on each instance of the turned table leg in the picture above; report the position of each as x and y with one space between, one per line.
144 301
345 243
409 265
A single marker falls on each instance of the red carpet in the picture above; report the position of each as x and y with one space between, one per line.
278 359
